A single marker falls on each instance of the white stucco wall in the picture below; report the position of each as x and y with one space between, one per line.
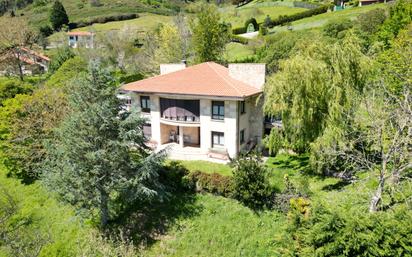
155 118
251 121
228 126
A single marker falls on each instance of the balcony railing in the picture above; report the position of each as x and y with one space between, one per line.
193 119
180 110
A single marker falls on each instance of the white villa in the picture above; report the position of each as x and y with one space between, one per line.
206 110
81 39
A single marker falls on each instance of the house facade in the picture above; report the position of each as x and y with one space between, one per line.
208 107
31 62
81 39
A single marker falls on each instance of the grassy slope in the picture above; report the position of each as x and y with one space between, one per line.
78 10
146 21
201 225
237 51
238 17
208 167
223 227
320 20
48 215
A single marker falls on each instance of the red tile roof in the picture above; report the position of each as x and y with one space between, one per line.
29 51
206 79
79 33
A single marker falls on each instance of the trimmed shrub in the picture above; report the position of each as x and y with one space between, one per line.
251 21
250 181
239 39
306 5
237 31
211 183
103 19
283 19
263 30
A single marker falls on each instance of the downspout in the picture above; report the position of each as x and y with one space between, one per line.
237 128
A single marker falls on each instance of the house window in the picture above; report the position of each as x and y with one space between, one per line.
218 110
242 136
242 107
145 103
147 131
218 139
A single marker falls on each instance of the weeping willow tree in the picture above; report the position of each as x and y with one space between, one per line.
317 87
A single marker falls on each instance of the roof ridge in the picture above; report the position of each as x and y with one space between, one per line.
230 83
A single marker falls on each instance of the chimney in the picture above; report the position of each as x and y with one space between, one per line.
249 73
171 67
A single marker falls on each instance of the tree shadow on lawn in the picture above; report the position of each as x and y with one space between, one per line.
146 224
296 162
300 164
337 186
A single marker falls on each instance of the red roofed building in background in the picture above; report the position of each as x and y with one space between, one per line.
81 39
31 62
206 110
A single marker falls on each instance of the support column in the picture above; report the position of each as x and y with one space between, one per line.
181 143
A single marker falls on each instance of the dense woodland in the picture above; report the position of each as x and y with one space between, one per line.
77 179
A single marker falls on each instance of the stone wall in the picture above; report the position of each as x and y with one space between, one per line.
171 67
249 73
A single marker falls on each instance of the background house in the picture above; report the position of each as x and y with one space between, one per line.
81 39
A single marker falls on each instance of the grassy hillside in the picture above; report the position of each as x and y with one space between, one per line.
44 217
320 20
190 225
217 226
81 10
238 16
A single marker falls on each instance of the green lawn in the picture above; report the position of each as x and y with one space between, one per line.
238 17
146 21
220 227
45 218
237 51
78 10
188 224
207 167
322 19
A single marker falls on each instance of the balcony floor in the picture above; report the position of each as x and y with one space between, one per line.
187 153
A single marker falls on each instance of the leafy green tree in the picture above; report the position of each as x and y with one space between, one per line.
315 87
99 157
15 33
337 29
169 45
400 15
67 71
58 16
396 62
12 87
63 54
209 35
280 46
371 21
250 181
27 121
